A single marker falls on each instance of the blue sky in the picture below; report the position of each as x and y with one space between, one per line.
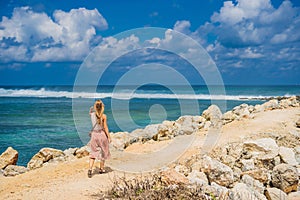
251 42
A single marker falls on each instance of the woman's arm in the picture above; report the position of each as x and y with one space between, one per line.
106 127
91 110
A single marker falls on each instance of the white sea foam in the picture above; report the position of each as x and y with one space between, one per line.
43 93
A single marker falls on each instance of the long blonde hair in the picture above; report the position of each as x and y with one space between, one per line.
99 109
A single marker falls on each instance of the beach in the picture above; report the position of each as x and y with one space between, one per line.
68 179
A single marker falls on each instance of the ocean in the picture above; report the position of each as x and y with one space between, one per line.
33 117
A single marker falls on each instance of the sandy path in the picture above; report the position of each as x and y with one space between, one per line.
69 180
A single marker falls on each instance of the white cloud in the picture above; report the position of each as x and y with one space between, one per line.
253 22
182 26
66 36
252 34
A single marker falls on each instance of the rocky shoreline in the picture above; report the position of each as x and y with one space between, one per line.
264 166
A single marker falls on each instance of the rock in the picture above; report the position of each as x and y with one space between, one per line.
216 171
120 140
197 177
198 122
228 160
44 155
228 117
254 184
285 103
243 192
8 157
182 169
171 177
251 108
237 172
151 130
287 155
235 150
261 175
247 165
170 129
242 111
285 177
258 108
13 170
70 153
275 194
271 105
35 162
185 125
207 125
216 191
294 196
294 101
57 160
82 152
213 114
298 123
263 149
297 154
277 160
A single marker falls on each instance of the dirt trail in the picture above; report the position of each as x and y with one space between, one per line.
69 180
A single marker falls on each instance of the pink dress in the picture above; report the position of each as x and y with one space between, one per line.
99 142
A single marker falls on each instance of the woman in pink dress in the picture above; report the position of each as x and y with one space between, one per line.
100 137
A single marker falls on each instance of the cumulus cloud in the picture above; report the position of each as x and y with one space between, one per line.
66 36
243 22
251 34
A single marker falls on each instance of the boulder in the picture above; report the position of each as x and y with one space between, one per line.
172 177
13 170
213 114
285 103
216 171
243 192
167 129
297 154
236 174
294 196
196 177
82 152
8 157
294 101
242 111
263 149
260 174
271 105
217 191
275 194
285 177
207 125
185 126
298 123
70 153
287 155
150 130
254 184
44 155
247 165
198 122
228 117
120 140
258 108
182 169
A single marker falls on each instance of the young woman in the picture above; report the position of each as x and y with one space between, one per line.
100 137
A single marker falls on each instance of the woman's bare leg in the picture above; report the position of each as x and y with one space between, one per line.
102 162
91 164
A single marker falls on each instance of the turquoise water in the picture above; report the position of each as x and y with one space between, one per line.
35 117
